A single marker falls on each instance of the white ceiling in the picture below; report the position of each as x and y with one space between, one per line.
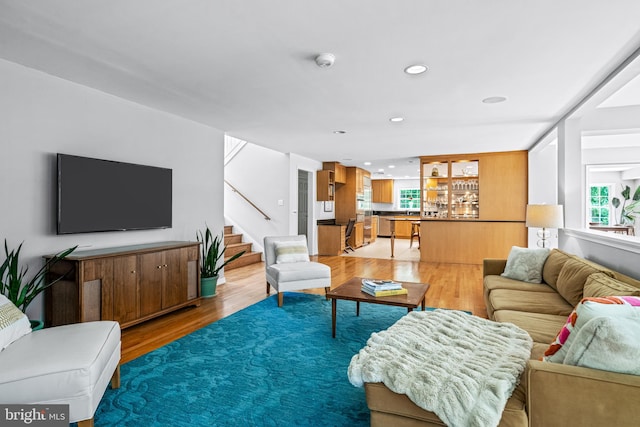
246 66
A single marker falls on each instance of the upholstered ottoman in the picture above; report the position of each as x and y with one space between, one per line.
69 364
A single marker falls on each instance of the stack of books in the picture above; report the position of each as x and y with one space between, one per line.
382 288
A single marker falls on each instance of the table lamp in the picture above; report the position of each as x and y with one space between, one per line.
544 217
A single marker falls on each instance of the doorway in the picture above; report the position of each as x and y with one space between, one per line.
304 177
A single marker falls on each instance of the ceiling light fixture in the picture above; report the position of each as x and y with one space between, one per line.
494 99
416 69
339 132
367 163
392 166
396 119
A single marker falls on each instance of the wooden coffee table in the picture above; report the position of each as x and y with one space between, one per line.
350 290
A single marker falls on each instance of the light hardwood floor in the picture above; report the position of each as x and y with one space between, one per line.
455 286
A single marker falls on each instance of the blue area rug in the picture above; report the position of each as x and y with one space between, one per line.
262 366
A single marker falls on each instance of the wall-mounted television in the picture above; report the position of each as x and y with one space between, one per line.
103 195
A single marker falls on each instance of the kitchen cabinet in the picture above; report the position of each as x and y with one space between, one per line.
357 235
382 190
331 239
484 186
340 171
325 186
128 284
374 228
403 228
350 197
473 206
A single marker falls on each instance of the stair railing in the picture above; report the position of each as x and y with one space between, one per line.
235 190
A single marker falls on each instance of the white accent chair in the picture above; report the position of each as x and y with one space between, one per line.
71 364
293 276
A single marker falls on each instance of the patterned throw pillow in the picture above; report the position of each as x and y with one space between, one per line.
13 323
525 264
587 309
291 251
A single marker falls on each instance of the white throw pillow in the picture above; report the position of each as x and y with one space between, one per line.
525 264
13 323
291 251
607 343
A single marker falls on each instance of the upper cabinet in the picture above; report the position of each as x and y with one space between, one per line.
340 171
325 186
486 186
382 190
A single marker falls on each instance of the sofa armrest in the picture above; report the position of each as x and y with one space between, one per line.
562 395
493 266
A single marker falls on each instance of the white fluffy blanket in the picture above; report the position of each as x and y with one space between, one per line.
461 367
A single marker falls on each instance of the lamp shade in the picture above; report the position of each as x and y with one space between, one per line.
545 216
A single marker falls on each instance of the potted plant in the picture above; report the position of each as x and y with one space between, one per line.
630 211
212 253
20 290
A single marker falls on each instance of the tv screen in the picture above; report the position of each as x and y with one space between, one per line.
103 195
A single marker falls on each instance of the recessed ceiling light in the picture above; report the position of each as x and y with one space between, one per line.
494 99
381 170
416 69
396 119
339 132
392 166
367 163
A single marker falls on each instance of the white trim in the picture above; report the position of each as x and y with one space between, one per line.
618 241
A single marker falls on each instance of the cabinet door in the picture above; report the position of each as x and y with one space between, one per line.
358 231
174 283
403 228
503 186
150 283
125 289
382 190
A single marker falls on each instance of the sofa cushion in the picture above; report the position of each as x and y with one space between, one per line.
602 285
498 282
607 343
14 324
525 264
531 302
573 277
542 328
553 265
589 308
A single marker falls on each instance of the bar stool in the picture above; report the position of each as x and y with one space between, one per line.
415 233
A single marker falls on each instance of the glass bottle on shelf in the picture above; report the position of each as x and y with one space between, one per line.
435 190
465 189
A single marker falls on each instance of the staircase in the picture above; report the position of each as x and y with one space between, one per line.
234 245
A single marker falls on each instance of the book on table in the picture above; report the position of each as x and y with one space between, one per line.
382 287
385 293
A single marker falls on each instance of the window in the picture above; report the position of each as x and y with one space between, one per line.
409 198
599 204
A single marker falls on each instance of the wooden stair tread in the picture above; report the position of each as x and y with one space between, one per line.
245 259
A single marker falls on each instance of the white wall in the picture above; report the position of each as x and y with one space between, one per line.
41 115
270 180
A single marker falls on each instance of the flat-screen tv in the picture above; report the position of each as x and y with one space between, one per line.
103 195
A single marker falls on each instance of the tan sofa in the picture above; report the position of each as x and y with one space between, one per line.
549 394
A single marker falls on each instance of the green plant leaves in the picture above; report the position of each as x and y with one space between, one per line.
13 282
212 251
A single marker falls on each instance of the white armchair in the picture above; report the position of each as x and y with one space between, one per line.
288 267
71 364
